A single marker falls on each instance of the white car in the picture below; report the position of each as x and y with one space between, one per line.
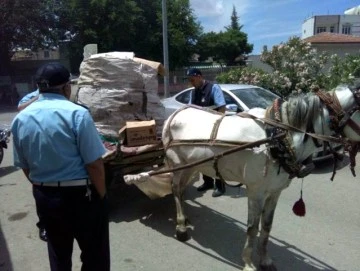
238 98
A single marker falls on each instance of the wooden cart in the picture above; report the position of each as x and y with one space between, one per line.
121 160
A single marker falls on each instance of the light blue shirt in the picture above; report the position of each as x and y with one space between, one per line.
28 97
55 138
217 95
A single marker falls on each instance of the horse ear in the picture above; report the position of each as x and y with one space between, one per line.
299 207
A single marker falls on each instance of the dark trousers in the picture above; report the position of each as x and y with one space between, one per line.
68 214
40 223
210 181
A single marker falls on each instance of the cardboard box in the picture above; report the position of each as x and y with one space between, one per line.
139 133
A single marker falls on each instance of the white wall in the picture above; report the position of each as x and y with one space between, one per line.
353 20
307 28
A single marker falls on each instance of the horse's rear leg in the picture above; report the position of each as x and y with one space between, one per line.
180 181
254 212
267 217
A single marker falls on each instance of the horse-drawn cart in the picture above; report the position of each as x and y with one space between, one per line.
121 160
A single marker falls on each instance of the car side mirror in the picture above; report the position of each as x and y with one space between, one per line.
232 108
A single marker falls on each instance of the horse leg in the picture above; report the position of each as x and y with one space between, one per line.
254 212
180 181
267 217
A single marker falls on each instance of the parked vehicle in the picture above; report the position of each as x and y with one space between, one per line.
238 98
4 139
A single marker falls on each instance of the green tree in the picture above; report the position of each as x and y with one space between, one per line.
109 23
183 30
29 24
234 21
134 25
229 47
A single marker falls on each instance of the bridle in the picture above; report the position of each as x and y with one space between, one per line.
338 117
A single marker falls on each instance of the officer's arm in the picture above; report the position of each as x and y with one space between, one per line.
26 104
219 98
97 176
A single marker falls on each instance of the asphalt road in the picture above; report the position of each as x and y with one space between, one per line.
142 230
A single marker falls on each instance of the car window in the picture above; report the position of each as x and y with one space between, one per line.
231 100
184 97
255 97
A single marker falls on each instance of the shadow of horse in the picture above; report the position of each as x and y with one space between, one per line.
327 166
210 229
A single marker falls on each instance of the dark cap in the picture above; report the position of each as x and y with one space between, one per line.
52 74
193 72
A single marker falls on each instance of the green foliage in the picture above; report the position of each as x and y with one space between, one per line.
135 25
234 21
297 67
248 75
229 47
30 24
344 71
115 25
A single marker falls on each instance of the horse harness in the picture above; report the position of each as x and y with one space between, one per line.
282 150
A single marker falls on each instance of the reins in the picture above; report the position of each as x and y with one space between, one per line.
292 128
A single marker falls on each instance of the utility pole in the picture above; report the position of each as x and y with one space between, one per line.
165 49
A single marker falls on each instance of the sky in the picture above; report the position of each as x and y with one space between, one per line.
266 22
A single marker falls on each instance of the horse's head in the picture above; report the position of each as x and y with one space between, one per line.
349 124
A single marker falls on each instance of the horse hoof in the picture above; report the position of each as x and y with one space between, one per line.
268 267
182 236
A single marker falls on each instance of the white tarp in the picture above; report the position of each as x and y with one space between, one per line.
117 88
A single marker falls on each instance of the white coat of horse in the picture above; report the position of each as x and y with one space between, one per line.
189 136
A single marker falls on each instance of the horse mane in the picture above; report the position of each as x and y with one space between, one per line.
302 109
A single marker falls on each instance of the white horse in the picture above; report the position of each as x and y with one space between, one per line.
192 134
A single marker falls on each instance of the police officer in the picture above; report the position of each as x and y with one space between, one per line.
207 94
59 150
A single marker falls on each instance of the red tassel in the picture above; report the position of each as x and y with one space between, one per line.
299 206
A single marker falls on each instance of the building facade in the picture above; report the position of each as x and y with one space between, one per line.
340 24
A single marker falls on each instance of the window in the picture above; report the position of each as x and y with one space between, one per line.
230 100
46 54
332 29
346 29
184 97
320 29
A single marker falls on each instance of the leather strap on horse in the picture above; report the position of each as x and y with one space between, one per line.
331 101
334 107
214 131
216 128
218 156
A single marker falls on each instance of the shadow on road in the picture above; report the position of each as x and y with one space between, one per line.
7 170
210 229
5 260
328 165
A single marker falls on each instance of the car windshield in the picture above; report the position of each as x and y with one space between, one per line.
255 97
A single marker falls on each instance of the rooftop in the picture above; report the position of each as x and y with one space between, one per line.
326 37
